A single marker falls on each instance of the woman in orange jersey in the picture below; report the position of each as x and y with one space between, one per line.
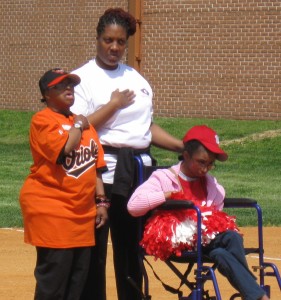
62 199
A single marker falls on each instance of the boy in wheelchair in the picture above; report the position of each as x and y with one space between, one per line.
189 179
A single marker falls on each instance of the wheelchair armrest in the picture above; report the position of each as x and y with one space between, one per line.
228 203
176 204
239 202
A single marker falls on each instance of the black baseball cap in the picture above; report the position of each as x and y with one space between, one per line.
53 77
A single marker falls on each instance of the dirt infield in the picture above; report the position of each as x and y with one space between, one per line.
17 262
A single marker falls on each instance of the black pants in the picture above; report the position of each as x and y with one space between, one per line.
124 236
95 287
61 273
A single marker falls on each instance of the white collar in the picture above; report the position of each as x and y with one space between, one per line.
185 177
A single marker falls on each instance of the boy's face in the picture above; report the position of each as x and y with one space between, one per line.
199 163
60 97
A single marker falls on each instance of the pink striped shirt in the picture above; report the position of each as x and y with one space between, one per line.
150 194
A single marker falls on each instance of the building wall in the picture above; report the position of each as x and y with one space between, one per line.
38 35
214 59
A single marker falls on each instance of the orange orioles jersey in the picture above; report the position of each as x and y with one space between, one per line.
57 198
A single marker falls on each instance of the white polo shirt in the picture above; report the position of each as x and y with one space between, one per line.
128 127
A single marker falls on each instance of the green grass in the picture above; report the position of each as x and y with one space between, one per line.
15 159
253 167
252 170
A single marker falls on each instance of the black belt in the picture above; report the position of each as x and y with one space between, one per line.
124 176
114 150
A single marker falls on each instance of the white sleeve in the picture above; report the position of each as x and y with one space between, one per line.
83 101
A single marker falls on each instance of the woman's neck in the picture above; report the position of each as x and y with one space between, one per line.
104 66
65 112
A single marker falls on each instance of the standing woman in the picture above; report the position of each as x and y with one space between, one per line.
118 102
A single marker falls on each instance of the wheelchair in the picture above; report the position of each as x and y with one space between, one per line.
202 266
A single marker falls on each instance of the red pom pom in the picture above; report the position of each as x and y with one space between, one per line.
165 230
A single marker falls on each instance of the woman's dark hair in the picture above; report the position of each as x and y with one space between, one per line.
192 146
119 17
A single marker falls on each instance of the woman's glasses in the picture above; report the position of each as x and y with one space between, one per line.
63 85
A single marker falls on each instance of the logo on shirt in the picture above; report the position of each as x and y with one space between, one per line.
145 91
80 160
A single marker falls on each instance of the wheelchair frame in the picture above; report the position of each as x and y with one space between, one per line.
203 272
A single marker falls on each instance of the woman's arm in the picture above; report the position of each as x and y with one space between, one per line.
118 100
163 139
102 215
75 134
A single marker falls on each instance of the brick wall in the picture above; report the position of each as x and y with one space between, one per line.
203 58
38 35
214 58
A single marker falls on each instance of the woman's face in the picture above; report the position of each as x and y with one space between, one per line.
111 45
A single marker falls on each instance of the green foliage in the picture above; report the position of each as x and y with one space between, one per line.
252 170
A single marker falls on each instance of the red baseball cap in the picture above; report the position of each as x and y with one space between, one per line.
208 138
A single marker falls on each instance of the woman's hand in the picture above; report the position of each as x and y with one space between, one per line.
122 99
118 100
102 216
75 134
83 121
